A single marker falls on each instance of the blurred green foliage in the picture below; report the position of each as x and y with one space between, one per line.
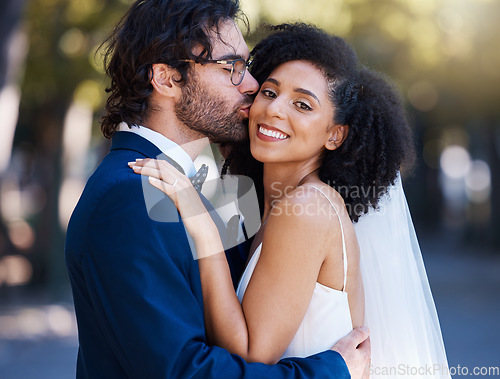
62 63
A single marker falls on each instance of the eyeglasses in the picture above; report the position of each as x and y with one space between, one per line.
238 67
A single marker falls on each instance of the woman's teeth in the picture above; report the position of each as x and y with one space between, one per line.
272 133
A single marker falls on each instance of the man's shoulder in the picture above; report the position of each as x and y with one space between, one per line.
114 189
113 174
113 184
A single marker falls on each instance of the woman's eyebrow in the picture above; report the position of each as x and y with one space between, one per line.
299 90
307 92
274 81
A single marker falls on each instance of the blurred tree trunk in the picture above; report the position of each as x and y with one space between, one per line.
49 128
42 123
10 15
39 134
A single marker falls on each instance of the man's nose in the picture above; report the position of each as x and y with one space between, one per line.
249 85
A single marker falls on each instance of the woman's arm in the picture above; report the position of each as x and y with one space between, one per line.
224 319
294 247
282 284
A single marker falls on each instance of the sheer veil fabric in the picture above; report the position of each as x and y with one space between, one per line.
405 334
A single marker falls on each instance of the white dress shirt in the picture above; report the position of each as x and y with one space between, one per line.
166 146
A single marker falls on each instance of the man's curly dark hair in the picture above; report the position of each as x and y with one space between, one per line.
379 141
156 31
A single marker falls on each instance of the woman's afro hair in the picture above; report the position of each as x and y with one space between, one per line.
379 140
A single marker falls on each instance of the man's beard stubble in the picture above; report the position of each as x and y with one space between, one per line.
210 115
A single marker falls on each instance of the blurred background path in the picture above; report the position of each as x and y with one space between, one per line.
466 287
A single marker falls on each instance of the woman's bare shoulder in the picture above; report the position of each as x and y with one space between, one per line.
308 208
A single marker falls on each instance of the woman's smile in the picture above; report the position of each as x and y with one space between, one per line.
271 134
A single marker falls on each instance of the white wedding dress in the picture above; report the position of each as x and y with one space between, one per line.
327 318
405 334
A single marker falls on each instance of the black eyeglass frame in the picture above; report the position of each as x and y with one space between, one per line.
232 62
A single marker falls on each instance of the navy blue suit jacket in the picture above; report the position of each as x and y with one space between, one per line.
137 291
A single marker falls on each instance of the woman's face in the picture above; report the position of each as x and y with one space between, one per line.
291 119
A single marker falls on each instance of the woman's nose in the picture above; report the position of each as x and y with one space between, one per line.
276 108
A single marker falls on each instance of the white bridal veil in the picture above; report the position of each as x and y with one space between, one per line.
399 309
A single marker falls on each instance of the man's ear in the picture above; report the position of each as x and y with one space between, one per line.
337 136
165 80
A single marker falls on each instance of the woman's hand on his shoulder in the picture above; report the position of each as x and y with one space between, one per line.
180 190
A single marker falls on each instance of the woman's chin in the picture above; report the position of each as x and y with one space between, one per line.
257 153
264 156
261 154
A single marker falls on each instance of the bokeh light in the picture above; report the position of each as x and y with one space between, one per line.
15 270
60 321
72 43
9 109
423 95
395 23
478 181
38 322
90 92
422 7
70 192
21 234
455 162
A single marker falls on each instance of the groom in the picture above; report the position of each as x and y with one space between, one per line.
136 286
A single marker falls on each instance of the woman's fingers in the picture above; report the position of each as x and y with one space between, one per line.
148 162
168 189
161 170
170 181
154 164
178 188
155 173
157 164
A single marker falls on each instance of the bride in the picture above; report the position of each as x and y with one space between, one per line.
336 248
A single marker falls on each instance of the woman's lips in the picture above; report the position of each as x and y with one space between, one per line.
268 133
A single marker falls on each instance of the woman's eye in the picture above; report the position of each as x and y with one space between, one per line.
268 93
303 106
228 69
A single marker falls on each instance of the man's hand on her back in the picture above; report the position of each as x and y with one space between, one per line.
355 349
